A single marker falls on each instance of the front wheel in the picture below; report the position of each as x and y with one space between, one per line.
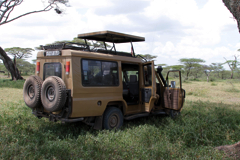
113 118
174 114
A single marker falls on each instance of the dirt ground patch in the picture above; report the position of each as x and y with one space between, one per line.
232 151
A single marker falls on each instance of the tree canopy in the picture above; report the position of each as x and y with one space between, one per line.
233 64
207 70
148 57
19 53
190 63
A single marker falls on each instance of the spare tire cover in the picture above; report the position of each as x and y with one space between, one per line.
53 94
32 91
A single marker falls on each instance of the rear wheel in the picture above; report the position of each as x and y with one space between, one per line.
32 91
113 118
53 94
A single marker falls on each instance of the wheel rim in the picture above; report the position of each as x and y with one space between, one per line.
50 93
113 121
31 91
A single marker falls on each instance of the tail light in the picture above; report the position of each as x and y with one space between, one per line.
67 67
38 67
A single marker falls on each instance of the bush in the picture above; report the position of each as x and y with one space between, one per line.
211 79
213 84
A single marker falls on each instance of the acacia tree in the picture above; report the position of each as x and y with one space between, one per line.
19 53
232 64
218 68
190 63
207 70
176 67
10 66
148 57
25 67
197 71
6 9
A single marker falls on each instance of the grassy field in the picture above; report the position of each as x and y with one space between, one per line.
210 118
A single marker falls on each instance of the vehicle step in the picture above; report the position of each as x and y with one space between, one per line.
136 116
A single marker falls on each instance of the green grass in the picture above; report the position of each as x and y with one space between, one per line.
232 90
201 127
213 84
7 83
193 135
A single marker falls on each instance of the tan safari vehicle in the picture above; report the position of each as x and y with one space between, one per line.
99 86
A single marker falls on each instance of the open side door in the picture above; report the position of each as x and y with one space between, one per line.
174 96
148 87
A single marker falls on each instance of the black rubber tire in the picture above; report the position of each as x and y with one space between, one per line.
174 114
53 94
32 92
112 118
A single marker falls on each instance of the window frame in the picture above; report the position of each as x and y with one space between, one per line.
144 79
82 76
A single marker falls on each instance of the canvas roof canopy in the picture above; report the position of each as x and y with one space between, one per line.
110 36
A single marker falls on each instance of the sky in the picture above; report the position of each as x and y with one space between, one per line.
172 29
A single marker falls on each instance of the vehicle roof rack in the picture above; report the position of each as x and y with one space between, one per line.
110 36
144 59
67 45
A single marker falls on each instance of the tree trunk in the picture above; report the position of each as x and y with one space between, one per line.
8 63
234 7
232 75
187 75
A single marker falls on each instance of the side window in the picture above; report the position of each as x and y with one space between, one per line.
99 73
52 69
147 72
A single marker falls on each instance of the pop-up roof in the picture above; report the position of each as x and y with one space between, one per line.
110 36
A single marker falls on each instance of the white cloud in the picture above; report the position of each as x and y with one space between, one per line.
174 29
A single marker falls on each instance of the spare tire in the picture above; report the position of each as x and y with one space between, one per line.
53 94
32 91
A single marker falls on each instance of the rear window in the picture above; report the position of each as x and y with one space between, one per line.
99 73
52 69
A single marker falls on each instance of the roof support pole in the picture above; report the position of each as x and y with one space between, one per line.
132 49
114 45
105 45
87 44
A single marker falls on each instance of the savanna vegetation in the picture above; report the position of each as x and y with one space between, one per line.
210 118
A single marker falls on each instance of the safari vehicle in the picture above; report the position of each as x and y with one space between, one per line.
99 86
